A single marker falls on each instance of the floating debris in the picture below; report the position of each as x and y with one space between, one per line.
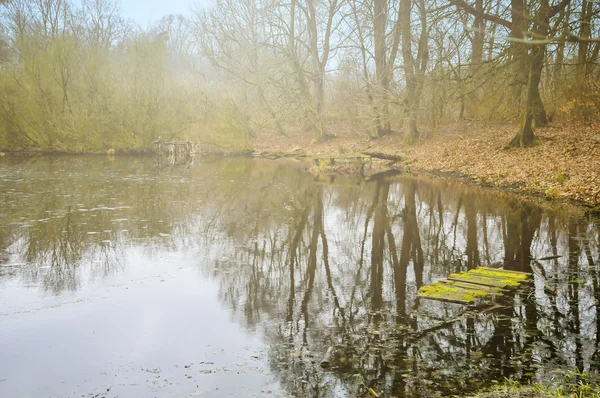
475 285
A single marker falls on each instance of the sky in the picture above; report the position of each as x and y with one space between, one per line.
145 11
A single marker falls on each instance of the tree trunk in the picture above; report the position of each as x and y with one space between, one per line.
525 137
381 67
517 50
476 61
584 33
559 58
539 112
534 108
316 111
365 72
414 73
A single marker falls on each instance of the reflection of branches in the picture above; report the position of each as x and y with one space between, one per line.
269 256
472 244
574 270
360 312
521 225
411 239
312 258
336 301
293 252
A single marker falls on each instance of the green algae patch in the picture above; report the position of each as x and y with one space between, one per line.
481 284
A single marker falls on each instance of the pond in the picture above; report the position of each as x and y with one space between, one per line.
233 277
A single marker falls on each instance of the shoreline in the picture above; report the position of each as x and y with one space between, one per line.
537 197
563 168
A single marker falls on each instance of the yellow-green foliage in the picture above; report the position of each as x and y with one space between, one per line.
225 129
60 91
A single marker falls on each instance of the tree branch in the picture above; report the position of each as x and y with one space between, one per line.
492 18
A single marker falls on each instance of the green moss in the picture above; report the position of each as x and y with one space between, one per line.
467 287
445 292
485 280
552 193
493 273
562 177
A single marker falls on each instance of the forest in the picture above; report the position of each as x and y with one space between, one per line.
76 76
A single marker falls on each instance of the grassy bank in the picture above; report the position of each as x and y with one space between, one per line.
565 164
573 384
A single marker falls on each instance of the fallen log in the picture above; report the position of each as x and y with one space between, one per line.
383 174
384 156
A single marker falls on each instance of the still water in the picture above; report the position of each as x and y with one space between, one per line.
232 277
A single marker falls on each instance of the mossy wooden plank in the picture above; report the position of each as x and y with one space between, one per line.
506 271
448 297
484 280
445 292
480 284
502 274
472 286
497 277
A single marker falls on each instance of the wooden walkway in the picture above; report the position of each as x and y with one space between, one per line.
475 286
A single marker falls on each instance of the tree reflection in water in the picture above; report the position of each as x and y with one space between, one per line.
355 288
312 265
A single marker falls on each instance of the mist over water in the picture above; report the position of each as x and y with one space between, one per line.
123 277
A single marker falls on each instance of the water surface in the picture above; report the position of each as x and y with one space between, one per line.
232 277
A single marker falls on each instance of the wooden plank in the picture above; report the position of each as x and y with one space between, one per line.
486 281
473 286
444 292
499 276
337 157
505 272
447 298
384 156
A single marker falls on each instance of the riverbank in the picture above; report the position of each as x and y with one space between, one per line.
565 164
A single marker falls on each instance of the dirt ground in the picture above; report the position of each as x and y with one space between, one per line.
564 165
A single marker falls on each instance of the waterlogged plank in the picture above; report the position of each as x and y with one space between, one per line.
445 292
501 273
496 291
506 283
483 283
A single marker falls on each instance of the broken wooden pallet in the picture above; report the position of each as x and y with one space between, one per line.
474 286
